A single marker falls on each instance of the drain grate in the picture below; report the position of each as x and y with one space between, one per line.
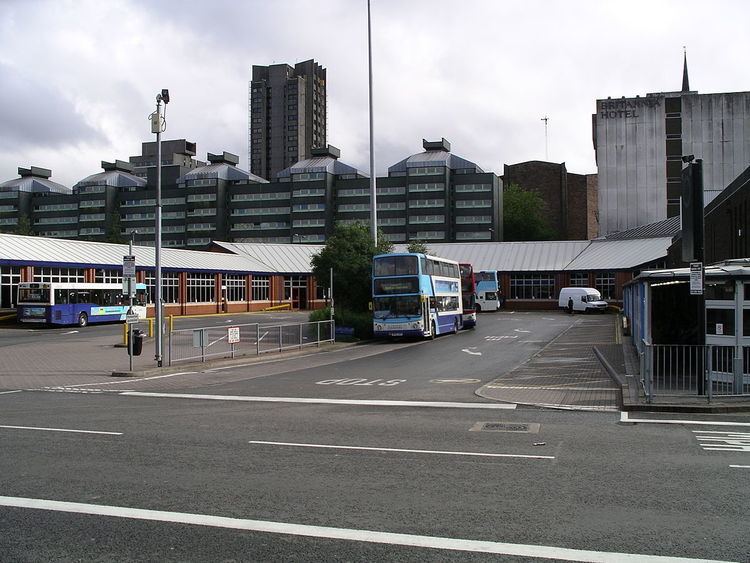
521 427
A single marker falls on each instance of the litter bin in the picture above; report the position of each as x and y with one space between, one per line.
137 342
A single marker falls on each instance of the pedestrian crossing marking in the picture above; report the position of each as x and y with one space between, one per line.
722 441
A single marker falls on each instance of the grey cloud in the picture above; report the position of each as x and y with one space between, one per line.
32 114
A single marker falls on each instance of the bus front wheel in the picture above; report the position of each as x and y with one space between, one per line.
433 328
478 308
83 320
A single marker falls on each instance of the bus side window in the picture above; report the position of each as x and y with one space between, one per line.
61 297
73 297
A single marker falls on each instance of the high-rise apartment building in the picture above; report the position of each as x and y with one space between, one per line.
286 116
639 144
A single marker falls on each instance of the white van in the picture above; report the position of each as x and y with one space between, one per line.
585 299
487 301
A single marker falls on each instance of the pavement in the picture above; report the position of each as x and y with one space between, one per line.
591 366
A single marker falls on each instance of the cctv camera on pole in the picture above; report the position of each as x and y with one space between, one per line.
158 125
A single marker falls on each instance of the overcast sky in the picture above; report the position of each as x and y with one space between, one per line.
78 78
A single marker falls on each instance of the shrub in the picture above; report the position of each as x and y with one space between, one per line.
360 322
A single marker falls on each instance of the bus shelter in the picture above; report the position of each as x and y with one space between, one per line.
680 354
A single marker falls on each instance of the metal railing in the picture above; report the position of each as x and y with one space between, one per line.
253 339
695 370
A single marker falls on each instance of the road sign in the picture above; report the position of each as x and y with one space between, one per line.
131 318
128 266
696 278
233 334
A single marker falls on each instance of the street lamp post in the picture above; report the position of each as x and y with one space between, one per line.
373 195
157 126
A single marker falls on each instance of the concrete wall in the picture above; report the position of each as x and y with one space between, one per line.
716 128
629 135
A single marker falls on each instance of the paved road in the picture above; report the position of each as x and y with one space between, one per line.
282 460
595 484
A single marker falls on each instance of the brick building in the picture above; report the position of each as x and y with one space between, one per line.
571 199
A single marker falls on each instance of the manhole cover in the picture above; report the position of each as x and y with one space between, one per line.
524 427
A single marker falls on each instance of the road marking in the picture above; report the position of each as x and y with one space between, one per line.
455 381
120 382
372 449
718 441
61 430
558 388
9 392
361 382
318 401
327 532
470 352
519 330
71 332
740 466
624 418
498 338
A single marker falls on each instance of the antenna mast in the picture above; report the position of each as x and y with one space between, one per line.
546 141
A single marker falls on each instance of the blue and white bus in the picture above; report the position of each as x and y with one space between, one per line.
72 303
415 295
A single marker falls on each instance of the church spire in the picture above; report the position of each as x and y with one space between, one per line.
685 81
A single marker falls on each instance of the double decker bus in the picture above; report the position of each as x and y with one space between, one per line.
468 295
488 291
65 303
415 295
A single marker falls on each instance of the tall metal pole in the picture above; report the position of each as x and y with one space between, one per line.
158 282
373 194
130 309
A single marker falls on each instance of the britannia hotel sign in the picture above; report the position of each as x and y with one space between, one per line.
626 107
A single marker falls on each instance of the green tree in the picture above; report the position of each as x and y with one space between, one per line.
114 230
522 215
349 252
24 226
417 246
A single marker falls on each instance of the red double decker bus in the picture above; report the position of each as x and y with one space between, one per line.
468 295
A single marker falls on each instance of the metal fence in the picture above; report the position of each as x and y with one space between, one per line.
206 343
695 370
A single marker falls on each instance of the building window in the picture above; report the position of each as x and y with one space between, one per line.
433 187
43 274
473 235
170 287
201 288
349 207
605 284
235 285
308 176
473 219
416 219
426 171
293 282
261 288
532 286
427 203
91 203
579 279
108 276
349 192
304 192
464 188
388 221
392 206
201 197
429 235
392 190
309 207
473 203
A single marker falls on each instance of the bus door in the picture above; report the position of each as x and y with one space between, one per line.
425 313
